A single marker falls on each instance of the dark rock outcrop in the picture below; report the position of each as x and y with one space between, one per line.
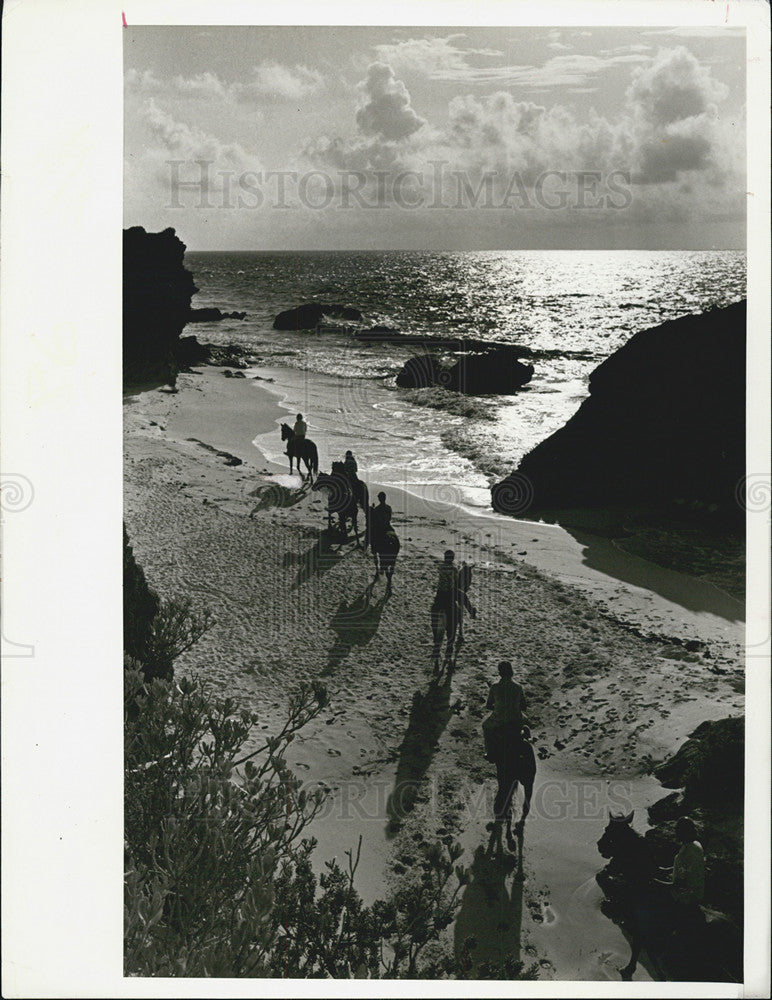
709 766
419 372
497 371
157 291
385 335
309 315
140 607
212 315
664 424
190 352
709 772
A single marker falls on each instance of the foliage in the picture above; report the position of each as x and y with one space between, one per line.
140 604
219 879
156 632
203 843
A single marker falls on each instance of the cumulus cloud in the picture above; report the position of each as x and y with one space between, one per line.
386 110
673 108
682 159
192 143
675 86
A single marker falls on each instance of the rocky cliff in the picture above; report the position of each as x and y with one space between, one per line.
664 425
157 292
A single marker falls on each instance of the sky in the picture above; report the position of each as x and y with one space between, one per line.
292 138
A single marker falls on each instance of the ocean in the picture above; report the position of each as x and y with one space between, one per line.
571 308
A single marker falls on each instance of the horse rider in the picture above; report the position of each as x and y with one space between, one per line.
688 882
350 466
505 745
299 430
446 596
381 514
506 703
449 599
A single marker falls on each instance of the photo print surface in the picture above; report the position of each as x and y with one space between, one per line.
434 368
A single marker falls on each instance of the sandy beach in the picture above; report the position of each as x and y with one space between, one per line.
598 639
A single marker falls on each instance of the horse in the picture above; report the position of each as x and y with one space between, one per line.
447 618
515 764
346 496
385 546
302 448
706 948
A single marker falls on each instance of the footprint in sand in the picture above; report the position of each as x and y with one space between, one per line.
300 763
333 752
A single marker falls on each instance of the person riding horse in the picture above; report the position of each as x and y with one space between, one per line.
447 610
380 516
350 465
382 538
507 745
450 598
300 447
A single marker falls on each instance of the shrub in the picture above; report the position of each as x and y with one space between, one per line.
218 875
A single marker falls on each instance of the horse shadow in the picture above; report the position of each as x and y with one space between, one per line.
319 558
429 714
354 624
487 931
275 495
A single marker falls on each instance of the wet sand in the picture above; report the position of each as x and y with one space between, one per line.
589 632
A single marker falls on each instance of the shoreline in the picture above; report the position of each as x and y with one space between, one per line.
609 689
242 410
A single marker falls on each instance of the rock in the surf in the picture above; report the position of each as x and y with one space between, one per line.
497 371
212 315
419 372
310 314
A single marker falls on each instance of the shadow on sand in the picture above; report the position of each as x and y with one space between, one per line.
320 557
271 494
355 624
491 911
429 714
601 553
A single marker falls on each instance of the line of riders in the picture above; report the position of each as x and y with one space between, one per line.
506 735
507 739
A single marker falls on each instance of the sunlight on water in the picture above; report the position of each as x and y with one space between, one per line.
572 308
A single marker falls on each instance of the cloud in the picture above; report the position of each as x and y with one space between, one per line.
430 57
675 86
684 162
206 86
568 69
386 110
276 82
673 107
173 140
270 81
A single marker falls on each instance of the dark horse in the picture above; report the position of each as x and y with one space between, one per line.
447 617
303 448
385 547
706 947
346 495
515 764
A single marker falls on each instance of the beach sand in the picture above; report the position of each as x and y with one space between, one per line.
590 630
